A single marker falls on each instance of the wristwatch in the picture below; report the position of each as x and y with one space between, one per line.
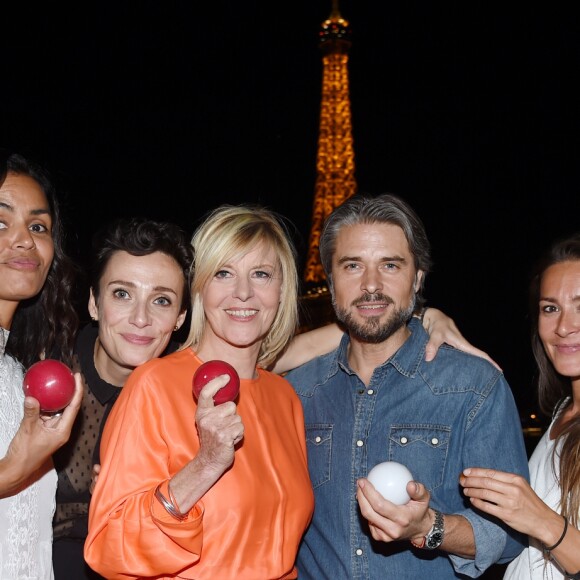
435 535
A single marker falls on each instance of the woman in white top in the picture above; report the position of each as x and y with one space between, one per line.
36 318
548 508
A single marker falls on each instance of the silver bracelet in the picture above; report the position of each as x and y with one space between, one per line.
168 505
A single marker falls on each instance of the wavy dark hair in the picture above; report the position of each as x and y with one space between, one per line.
46 324
140 236
554 389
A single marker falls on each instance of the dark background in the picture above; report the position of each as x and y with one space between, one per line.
167 109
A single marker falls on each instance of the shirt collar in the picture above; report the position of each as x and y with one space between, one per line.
406 360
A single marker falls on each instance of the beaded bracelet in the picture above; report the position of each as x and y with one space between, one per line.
548 549
169 505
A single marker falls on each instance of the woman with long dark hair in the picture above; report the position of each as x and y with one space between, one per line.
37 320
547 509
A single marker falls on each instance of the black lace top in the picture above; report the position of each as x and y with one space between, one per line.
74 461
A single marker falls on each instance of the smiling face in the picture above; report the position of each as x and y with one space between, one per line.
240 302
138 309
374 280
26 245
559 317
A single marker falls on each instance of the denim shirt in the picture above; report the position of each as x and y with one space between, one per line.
434 417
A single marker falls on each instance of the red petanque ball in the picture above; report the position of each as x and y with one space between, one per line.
210 370
51 382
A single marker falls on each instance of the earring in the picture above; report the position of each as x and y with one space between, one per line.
176 328
93 318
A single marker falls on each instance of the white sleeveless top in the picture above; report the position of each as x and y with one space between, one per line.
25 518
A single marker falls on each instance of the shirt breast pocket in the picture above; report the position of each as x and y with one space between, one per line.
319 447
422 449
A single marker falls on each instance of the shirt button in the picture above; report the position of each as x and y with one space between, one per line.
318 439
359 552
359 443
434 441
404 441
370 392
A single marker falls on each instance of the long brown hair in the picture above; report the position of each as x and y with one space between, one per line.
46 324
554 389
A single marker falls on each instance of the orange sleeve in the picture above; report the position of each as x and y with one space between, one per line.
123 511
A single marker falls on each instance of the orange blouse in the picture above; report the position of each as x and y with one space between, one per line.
247 526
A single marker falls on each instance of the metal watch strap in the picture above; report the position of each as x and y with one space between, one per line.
434 537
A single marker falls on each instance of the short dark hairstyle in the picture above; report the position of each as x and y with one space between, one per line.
140 236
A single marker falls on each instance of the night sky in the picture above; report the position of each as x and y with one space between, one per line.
167 109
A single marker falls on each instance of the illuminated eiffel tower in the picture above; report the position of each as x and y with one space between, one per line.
335 180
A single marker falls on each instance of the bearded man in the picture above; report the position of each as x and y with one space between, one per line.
376 399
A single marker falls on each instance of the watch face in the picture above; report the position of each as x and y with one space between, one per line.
435 540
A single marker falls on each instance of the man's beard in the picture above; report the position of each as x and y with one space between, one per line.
372 330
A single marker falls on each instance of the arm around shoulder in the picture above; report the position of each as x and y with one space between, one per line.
308 345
